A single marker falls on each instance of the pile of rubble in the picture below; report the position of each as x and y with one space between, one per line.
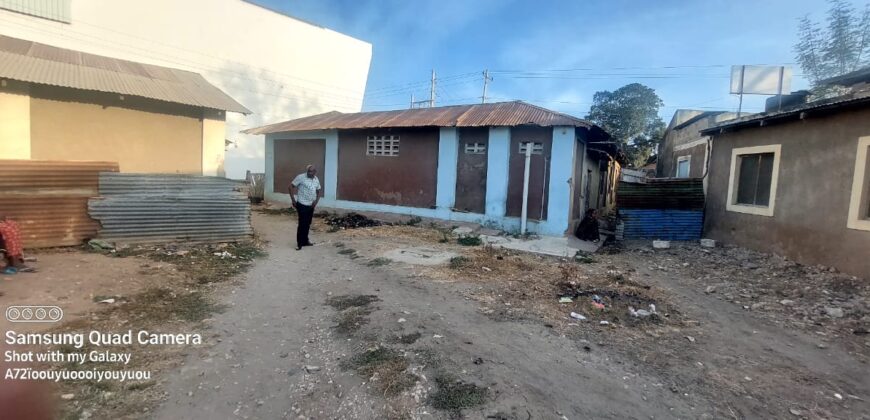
350 221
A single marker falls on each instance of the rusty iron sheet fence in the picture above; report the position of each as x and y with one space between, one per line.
664 208
149 208
49 199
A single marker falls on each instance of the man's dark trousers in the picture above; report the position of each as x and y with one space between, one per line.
306 213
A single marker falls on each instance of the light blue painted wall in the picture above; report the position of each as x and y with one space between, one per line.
561 172
558 209
448 159
497 165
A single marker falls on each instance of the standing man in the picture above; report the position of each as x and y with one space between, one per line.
305 193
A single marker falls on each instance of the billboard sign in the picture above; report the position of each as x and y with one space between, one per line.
761 80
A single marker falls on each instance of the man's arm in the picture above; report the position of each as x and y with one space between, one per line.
292 190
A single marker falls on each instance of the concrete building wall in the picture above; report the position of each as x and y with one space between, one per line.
409 179
687 141
814 183
213 144
141 135
278 66
14 120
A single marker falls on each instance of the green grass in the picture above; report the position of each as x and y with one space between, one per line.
469 240
454 395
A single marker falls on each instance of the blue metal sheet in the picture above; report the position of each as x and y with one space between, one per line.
667 224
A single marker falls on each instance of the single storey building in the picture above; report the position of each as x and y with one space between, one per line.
796 182
463 163
59 104
684 150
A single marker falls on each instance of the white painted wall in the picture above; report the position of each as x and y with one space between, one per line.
277 66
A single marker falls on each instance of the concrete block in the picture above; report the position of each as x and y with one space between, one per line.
708 243
661 244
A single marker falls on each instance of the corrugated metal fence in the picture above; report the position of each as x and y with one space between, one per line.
49 199
668 209
143 208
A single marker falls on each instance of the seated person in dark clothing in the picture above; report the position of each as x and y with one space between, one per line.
587 230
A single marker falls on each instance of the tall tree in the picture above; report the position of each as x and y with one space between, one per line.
841 47
630 115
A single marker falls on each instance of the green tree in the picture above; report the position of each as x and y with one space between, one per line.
631 115
841 47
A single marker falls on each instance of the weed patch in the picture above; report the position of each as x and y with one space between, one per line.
454 395
378 262
469 240
406 338
458 262
349 301
386 367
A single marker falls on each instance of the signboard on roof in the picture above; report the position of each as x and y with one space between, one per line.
761 80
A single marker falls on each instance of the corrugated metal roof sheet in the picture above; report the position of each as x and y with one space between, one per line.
145 208
28 61
662 193
477 115
49 199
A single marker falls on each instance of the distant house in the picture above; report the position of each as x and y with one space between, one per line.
796 182
463 163
59 104
683 151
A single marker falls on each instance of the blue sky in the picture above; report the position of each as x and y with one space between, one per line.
682 49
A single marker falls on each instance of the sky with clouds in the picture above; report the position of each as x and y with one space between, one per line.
557 54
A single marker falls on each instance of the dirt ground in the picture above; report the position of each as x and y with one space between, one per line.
340 330
402 322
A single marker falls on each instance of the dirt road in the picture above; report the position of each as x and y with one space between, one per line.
278 353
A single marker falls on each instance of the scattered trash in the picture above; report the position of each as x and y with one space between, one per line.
747 379
834 312
690 338
401 320
708 243
479 361
100 245
604 323
311 368
224 254
487 269
838 396
67 396
710 289
437 336
786 302
597 302
351 221
795 411
110 300
575 315
642 313
661 244
565 299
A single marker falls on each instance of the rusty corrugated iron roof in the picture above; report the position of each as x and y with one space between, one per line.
32 62
478 115
49 199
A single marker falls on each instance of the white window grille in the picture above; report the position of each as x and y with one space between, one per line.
475 148
537 148
382 146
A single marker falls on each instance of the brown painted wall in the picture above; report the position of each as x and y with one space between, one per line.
537 180
696 167
141 135
291 157
812 198
406 180
471 172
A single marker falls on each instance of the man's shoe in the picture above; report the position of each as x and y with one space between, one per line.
298 247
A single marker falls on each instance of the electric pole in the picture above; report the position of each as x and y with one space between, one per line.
432 91
486 80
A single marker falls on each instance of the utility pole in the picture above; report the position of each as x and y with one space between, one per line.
486 80
412 101
432 91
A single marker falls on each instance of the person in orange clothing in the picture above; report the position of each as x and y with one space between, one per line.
11 246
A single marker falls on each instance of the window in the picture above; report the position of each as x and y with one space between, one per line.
537 148
382 146
58 10
683 166
859 204
754 174
475 148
